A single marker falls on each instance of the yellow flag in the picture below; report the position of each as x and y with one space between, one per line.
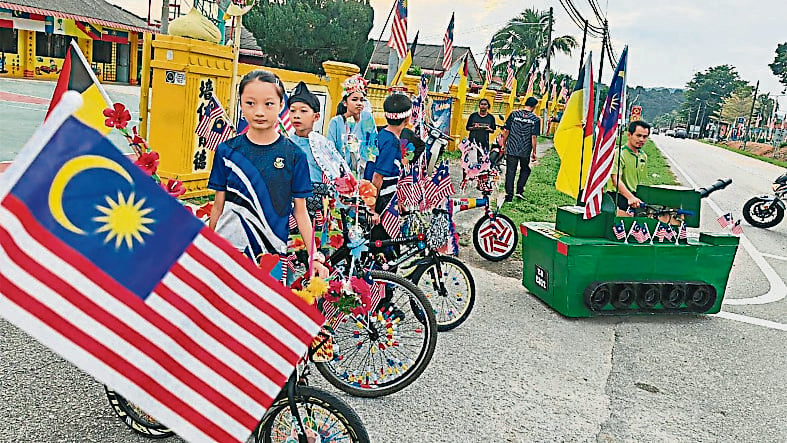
461 92
406 63
569 145
482 93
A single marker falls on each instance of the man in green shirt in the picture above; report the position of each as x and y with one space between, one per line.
631 169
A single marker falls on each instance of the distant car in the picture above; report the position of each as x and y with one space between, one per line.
654 131
680 133
670 133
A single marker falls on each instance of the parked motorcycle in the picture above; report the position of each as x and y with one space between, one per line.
766 211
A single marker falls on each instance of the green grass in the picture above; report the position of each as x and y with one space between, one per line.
772 161
542 199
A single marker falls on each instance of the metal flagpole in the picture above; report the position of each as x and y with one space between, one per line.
600 71
584 41
237 15
376 42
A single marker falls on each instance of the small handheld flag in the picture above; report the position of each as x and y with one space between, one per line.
737 229
619 230
682 233
725 220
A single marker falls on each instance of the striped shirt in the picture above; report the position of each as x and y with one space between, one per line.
522 125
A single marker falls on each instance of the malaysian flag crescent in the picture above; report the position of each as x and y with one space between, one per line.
99 264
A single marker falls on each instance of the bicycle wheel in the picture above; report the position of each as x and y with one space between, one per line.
322 413
450 290
495 240
384 351
135 418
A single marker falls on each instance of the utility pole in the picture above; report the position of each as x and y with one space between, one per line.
544 122
164 16
751 111
584 40
596 103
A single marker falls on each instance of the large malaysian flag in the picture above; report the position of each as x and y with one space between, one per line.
398 39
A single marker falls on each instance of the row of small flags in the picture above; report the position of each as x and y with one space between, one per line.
641 232
664 231
727 221
416 190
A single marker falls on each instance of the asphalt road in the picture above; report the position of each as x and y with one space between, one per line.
517 371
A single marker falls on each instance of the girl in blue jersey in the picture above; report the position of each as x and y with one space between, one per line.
260 177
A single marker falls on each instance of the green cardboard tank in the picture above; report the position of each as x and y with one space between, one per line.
579 268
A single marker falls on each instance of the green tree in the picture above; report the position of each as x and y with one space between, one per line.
528 43
706 92
738 104
301 34
779 65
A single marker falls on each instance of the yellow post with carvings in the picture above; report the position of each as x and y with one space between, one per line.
186 74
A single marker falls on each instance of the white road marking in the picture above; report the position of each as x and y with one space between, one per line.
752 320
777 257
778 289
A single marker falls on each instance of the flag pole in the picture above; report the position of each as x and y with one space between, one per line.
376 42
596 104
584 41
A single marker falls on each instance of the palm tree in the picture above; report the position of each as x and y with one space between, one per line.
527 41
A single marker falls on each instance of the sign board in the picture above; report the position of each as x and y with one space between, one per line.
175 78
636 113
542 278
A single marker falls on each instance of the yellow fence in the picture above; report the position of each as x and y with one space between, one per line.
187 73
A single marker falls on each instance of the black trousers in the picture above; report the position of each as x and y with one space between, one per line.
511 166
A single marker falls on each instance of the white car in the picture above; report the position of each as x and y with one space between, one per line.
670 133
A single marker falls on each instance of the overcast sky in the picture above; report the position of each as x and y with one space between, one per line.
669 40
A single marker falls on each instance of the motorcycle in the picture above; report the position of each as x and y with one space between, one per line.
766 211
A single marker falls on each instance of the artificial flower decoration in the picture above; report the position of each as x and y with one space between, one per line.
350 297
335 241
148 162
297 244
117 116
205 210
174 188
368 193
345 185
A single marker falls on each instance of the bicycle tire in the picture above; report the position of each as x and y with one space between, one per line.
345 425
495 249
136 419
451 309
357 341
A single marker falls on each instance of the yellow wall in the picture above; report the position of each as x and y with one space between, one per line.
173 114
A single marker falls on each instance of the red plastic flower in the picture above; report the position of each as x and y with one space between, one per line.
174 188
335 241
205 210
117 116
298 244
360 286
137 140
148 162
345 185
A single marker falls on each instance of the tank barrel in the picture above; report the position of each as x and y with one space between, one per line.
719 184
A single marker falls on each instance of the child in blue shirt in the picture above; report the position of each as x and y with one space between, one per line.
384 171
325 163
260 177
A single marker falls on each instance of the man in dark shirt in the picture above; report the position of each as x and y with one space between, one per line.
520 136
481 124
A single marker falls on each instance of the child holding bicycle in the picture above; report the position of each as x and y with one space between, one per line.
260 177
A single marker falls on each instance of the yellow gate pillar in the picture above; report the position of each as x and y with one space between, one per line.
337 73
186 74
